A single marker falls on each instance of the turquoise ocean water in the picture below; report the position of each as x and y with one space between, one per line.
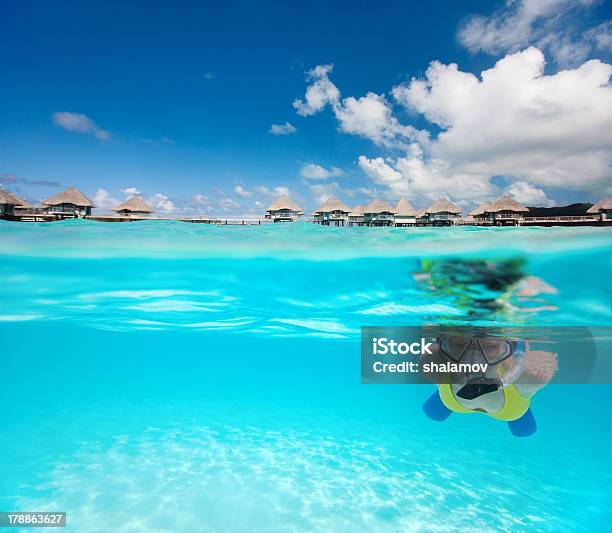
163 376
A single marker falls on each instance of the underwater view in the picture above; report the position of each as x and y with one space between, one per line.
163 376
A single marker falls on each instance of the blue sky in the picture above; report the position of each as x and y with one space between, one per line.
178 101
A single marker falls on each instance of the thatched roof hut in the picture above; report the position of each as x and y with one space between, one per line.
442 205
8 198
505 203
404 208
134 205
357 211
284 202
378 206
421 213
480 210
333 204
603 205
70 196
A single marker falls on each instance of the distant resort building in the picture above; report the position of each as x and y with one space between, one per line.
379 213
284 209
480 213
603 208
69 204
9 203
443 213
333 212
502 212
506 211
356 216
405 214
135 206
421 217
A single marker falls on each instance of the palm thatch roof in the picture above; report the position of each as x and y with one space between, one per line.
135 203
284 202
404 208
480 210
421 213
10 199
442 205
70 196
378 206
602 205
357 211
505 203
333 204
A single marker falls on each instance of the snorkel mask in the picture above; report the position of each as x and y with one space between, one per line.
494 350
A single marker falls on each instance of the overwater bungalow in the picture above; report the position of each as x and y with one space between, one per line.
71 203
135 206
9 203
379 213
333 212
356 216
421 217
603 208
443 213
284 209
481 215
405 214
506 211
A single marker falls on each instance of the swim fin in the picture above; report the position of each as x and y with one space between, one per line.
435 409
524 426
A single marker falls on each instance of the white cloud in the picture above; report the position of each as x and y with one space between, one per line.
547 24
209 75
322 191
275 192
104 201
551 130
282 129
527 194
319 94
513 121
415 176
130 191
317 172
227 204
161 203
369 116
241 191
79 123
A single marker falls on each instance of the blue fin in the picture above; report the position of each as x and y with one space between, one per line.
435 409
524 426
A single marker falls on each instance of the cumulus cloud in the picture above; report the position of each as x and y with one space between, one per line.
161 203
527 194
228 204
104 201
241 191
370 116
275 192
317 172
282 129
79 123
415 176
547 24
552 130
319 94
130 191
